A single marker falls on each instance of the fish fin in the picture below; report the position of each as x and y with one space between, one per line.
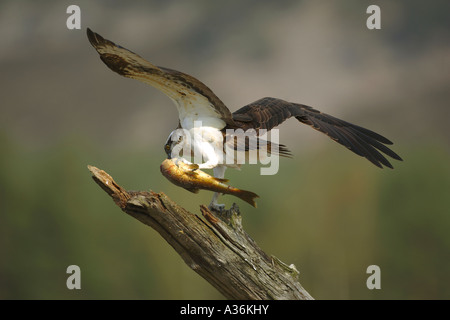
193 190
221 180
247 196
192 166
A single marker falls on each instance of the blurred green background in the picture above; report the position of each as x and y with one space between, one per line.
327 211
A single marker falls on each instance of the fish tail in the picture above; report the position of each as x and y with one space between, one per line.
247 196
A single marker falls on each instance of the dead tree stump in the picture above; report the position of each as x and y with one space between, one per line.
215 246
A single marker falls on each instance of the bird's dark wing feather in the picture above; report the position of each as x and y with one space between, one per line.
268 113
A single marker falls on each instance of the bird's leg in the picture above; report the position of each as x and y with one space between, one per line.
219 172
208 154
211 164
191 165
214 205
207 165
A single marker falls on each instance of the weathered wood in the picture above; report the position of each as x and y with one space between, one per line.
215 246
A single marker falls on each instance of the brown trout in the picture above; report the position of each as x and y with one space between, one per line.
181 174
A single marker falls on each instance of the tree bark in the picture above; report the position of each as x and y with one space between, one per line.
215 246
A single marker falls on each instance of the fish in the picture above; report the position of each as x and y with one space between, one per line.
182 175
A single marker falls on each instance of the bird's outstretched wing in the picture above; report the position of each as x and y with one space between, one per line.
194 100
268 113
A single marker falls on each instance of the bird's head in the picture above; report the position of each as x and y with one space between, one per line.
176 143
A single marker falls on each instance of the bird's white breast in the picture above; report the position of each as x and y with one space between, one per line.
198 112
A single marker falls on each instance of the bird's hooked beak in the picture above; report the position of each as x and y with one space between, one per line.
168 146
168 149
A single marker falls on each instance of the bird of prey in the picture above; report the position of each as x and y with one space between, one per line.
196 103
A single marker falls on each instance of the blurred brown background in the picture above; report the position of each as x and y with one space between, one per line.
327 211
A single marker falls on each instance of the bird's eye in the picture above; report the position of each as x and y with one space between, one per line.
167 147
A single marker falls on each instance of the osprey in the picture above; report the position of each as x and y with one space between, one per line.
205 122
